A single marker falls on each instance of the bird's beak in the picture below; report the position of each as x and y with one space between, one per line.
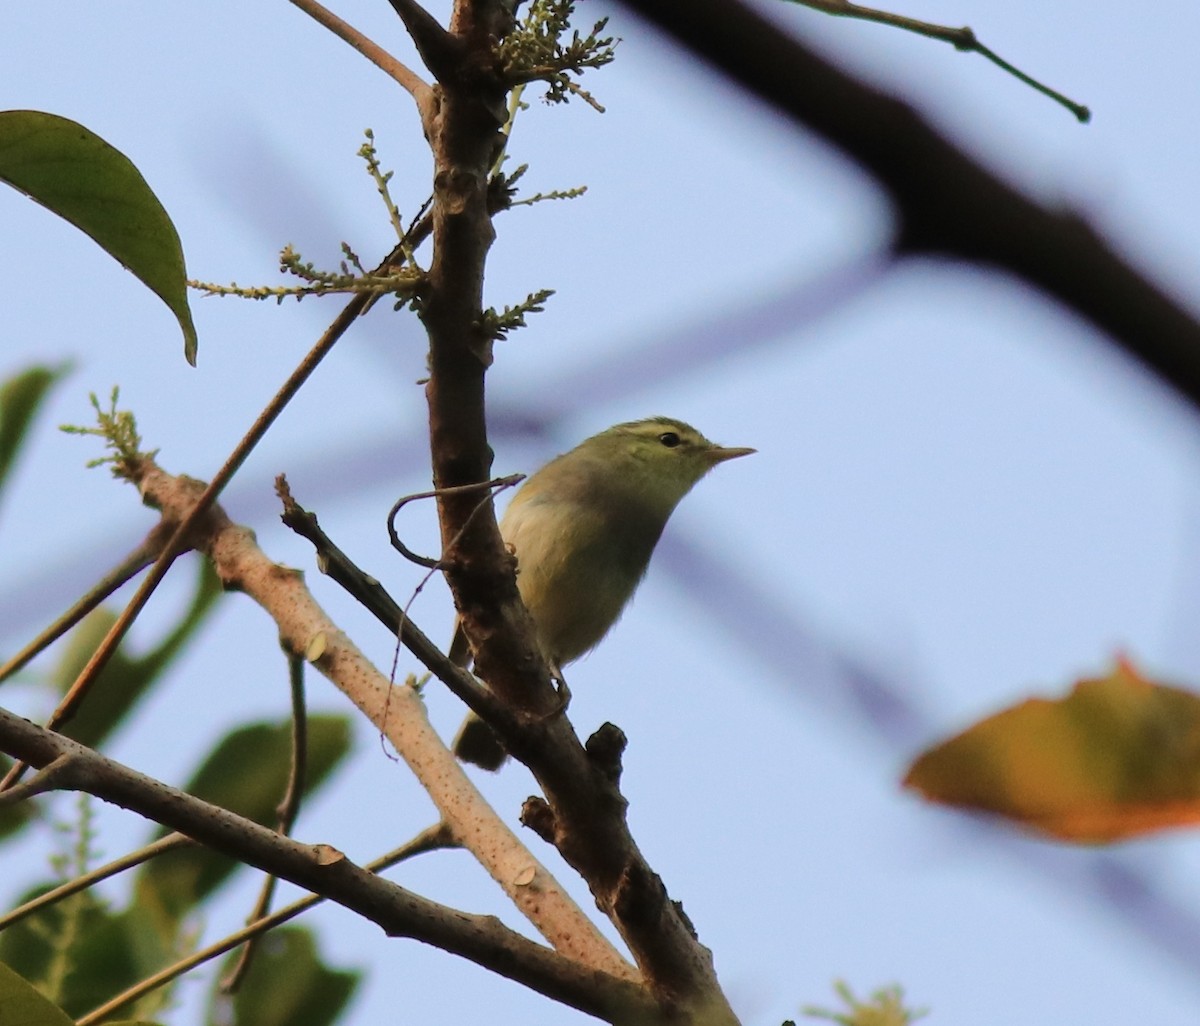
719 453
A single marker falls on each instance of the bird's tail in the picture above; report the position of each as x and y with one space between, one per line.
476 742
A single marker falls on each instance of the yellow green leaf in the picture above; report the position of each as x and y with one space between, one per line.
1116 758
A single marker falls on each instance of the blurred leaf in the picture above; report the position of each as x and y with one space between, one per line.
20 398
885 1007
77 175
125 679
106 952
22 1005
287 983
1116 758
247 774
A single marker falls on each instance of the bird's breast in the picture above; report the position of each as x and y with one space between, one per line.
577 566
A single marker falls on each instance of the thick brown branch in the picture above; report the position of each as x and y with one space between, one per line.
586 813
945 201
441 51
465 142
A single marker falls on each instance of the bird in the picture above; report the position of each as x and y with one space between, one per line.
583 529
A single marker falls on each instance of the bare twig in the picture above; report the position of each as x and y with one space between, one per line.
137 560
80 883
491 487
45 780
428 840
289 808
960 38
305 627
408 79
373 597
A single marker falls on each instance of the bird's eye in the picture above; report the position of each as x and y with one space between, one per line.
669 439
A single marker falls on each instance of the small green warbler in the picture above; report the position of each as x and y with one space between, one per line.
582 529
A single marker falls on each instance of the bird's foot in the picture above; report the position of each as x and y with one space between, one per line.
562 691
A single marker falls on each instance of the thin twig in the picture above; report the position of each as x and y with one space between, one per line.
373 597
134 858
289 808
141 557
495 485
409 80
429 840
515 106
433 565
960 38
46 779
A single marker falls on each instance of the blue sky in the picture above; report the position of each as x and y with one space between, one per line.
961 490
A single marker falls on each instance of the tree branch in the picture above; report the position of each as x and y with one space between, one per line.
586 814
286 812
441 51
372 596
398 712
180 538
946 202
960 38
146 552
409 80
81 883
326 871
428 840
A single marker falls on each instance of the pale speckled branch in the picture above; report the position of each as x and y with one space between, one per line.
398 712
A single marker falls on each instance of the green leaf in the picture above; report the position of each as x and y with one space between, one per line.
20 398
22 1005
77 175
247 774
126 678
288 983
104 952
1117 757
